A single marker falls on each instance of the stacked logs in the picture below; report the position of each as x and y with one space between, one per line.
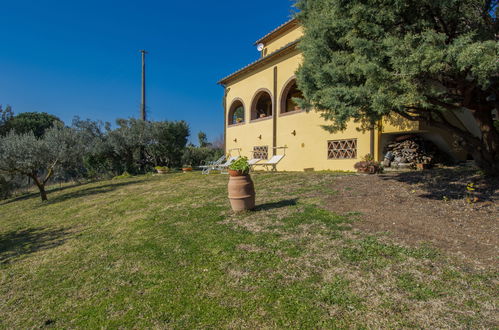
408 151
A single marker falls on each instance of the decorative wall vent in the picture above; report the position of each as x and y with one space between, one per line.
342 149
261 152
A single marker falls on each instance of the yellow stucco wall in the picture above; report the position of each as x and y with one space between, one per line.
396 124
284 39
305 150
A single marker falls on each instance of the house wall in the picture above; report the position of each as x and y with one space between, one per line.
396 123
309 147
284 39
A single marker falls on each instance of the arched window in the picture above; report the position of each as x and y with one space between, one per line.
262 105
236 113
290 92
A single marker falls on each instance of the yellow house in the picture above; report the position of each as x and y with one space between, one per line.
260 116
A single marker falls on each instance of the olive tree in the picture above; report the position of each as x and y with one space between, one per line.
168 142
40 158
425 60
135 146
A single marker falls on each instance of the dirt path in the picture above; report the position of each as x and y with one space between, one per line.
428 206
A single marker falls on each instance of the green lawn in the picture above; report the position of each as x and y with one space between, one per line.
166 252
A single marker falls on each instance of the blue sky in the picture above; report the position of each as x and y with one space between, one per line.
81 58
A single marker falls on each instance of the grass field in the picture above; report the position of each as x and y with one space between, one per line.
166 252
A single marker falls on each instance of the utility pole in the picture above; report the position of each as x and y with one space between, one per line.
143 100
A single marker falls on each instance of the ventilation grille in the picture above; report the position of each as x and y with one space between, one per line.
342 149
261 152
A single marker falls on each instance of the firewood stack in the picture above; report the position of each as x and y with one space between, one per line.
408 150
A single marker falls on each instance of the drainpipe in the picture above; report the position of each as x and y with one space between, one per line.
376 131
372 143
274 115
224 104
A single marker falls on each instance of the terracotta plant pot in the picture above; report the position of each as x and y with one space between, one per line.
421 166
235 173
241 192
186 169
363 170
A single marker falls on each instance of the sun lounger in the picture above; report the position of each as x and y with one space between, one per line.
272 162
210 166
253 161
223 168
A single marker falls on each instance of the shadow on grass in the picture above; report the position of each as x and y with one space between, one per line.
36 194
85 192
448 183
49 190
23 242
276 205
82 192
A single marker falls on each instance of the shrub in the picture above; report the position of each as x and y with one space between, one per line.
368 165
125 175
199 155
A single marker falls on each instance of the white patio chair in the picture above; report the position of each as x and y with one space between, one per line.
272 162
253 161
224 168
210 166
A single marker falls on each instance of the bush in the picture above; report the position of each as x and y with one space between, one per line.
368 165
196 156
125 175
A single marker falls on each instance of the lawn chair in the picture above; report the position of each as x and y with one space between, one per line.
272 162
224 168
253 161
210 166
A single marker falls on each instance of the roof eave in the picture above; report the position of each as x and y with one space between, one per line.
278 31
260 62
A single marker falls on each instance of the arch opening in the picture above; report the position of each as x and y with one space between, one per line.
236 113
291 92
262 106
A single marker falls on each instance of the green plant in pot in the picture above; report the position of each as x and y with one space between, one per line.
239 167
162 169
368 165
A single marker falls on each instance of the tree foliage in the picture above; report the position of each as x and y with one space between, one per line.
5 116
40 158
134 146
36 122
196 156
203 140
168 141
425 60
93 149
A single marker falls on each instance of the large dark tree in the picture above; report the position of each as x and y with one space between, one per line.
425 60
36 122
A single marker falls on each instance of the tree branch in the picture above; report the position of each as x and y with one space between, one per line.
50 172
442 124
